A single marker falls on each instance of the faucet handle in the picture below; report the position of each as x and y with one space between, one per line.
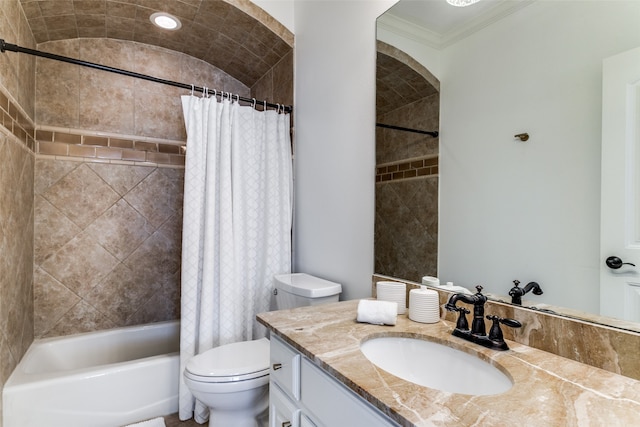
462 322
496 333
513 323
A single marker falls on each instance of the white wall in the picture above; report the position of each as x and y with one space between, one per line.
528 211
335 57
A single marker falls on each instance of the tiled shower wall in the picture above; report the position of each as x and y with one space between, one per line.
277 84
75 97
406 224
17 86
107 249
108 185
109 182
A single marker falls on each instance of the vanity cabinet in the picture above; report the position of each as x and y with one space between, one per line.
303 395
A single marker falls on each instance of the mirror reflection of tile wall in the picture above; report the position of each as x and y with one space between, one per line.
406 222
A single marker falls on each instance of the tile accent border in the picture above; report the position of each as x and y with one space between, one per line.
16 121
418 167
103 147
85 145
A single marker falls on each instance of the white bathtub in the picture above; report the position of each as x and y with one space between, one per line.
108 378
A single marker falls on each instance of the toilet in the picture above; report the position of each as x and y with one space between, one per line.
233 379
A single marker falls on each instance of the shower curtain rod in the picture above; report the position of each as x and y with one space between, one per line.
424 132
4 46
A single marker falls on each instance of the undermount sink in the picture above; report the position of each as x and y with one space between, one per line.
436 366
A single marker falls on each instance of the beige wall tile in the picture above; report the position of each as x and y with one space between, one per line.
82 98
57 86
121 261
16 247
119 177
81 318
120 230
52 300
80 264
81 195
157 198
52 229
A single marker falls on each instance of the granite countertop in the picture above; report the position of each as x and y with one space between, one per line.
548 390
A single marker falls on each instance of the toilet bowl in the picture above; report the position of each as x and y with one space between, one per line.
233 379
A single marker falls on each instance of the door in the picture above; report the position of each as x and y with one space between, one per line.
620 187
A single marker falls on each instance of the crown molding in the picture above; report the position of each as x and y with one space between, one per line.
409 30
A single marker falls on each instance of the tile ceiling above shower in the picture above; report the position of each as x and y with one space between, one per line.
398 85
240 40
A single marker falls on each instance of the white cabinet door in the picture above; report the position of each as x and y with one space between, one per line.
620 186
331 404
282 411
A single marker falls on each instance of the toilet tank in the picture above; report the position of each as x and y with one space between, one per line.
301 289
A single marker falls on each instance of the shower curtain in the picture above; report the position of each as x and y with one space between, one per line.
236 225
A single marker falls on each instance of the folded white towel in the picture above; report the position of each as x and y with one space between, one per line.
377 312
156 422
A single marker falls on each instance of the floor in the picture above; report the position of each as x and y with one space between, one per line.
174 421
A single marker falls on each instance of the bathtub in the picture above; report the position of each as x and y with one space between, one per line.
108 378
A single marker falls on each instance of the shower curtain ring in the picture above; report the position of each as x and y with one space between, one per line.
193 87
254 103
264 105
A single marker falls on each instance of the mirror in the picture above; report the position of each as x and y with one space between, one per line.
511 209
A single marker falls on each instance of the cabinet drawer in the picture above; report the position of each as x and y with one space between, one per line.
331 404
282 411
285 367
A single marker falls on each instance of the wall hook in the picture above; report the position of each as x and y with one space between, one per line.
522 136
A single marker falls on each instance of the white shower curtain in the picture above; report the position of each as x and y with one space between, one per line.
236 225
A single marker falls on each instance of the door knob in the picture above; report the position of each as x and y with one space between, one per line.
615 262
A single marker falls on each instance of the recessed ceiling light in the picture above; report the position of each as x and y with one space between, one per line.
165 21
462 3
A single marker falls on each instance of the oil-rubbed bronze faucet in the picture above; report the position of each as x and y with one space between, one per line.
516 293
478 334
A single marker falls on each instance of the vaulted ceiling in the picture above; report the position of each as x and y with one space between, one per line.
234 35
400 80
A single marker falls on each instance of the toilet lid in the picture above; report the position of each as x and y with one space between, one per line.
240 360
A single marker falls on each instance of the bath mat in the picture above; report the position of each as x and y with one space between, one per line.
156 422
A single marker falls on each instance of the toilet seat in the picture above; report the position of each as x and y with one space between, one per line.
233 362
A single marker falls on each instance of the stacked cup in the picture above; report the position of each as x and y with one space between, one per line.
424 305
393 291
